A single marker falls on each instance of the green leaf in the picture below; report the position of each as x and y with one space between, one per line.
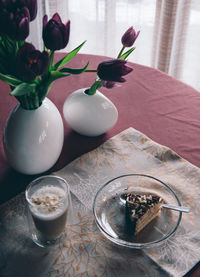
10 45
68 57
23 88
75 70
56 75
10 80
126 54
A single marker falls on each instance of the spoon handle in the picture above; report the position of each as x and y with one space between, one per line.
177 208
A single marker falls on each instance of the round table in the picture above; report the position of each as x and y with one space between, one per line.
164 109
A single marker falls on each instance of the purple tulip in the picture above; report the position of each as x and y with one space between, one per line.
55 33
15 16
113 70
31 62
15 23
129 37
13 5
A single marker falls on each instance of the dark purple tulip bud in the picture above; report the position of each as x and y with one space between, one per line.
129 37
14 6
113 70
18 25
31 62
55 34
15 23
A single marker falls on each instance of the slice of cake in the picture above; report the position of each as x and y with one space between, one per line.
141 210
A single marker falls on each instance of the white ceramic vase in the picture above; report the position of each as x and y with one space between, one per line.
33 139
89 115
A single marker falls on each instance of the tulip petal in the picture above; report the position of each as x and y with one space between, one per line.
26 47
26 13
55 39
57 18
45 20
26 73
126 70
122 80
23 30
67 33
32 6
44 57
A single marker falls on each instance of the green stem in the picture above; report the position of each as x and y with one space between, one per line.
92 90
29 102
44 47
16 47
91 70
24 102
44 88
37 103
46 91
51 60
120 53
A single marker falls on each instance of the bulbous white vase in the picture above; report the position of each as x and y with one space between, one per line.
89 115
33 139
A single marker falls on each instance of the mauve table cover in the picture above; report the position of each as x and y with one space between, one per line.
152 102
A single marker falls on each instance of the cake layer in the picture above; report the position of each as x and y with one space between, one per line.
141 210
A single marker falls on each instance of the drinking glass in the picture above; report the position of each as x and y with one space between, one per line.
49 209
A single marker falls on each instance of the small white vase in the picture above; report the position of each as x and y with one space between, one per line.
33 139
89 115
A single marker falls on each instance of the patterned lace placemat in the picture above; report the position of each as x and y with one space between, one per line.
85 252
133 152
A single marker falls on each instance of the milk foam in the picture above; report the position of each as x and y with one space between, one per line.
48 202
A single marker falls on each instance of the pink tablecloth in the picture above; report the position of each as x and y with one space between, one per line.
159 106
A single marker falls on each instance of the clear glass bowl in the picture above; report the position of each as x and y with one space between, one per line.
109 211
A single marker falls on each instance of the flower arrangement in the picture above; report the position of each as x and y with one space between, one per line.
30 72
111 71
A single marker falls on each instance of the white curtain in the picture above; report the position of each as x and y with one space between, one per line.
35 36
169 38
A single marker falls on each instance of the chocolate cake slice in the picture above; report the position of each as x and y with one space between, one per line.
141 210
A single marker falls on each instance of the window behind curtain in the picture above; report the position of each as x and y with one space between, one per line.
103 22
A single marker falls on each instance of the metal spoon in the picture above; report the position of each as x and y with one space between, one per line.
176 208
